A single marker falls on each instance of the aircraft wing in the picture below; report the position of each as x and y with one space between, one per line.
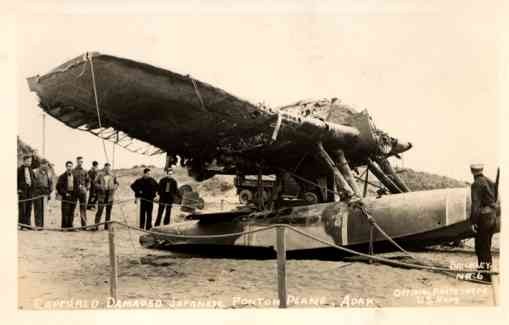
150 110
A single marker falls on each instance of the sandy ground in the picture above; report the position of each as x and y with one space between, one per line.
71 270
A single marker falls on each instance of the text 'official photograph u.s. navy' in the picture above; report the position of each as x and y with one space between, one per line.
224 161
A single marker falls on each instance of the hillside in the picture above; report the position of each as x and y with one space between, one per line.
24 149
420 181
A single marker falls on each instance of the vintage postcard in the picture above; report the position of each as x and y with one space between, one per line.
314 157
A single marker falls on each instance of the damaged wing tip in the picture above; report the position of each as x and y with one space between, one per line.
33 83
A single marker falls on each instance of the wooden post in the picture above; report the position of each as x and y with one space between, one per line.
281 266
113 262
495 288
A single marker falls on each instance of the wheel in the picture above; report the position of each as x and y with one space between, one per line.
185 189
245 196
200 204
310 197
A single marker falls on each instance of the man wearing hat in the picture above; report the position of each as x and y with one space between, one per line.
483 217
167 191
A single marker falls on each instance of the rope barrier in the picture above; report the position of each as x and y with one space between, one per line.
385 260
198 94
370 218
122 201
303 233
22 225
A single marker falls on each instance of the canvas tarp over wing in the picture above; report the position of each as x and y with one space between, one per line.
146 103
180 115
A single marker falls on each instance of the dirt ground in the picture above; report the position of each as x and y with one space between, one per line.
71 270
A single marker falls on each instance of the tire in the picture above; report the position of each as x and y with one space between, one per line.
245 196
310 197
185 189
200 204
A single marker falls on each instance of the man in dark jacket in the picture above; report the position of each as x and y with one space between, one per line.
483 217
92 195
43 186
83 181
25 187
167 191
67 188
145 189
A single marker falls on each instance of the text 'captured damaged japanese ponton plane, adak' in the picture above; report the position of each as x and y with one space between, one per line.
312 146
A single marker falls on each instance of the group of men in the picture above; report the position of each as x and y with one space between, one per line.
74 186
77 184
145 190
90 189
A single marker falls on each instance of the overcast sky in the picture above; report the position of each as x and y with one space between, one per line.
426 76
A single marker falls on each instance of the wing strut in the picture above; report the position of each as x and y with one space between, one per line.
342 184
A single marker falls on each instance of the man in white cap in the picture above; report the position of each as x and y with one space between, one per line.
483 216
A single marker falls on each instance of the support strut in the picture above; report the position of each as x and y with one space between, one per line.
346 171
389 171
341 183
375 169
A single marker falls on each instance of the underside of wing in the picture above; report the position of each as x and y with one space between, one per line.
150 110
104 94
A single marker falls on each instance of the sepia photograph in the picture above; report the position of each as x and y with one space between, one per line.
315 158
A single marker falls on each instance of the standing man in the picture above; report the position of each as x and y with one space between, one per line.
25 186
43 186
483 217
92 196
167 190
106 184
145 189
67 188
83 182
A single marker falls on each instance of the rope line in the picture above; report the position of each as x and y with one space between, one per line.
62 229
385 260
303 233
122 201
96 97
198 94
371 219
